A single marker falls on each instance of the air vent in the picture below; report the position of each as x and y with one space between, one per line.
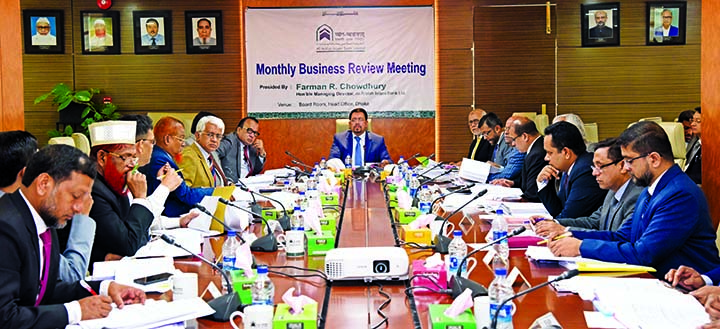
334 269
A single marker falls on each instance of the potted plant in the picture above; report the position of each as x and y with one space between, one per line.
77 107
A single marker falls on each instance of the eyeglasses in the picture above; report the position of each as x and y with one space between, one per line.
487 133
513 138
179 138
253 132
357 120
601 167
211 135
152 141
125 158
43 27
630 161
668 17
473 122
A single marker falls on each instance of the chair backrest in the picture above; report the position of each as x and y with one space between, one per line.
81 142
675 133
655 119
529 115
342 125
591 132
541 122
62 140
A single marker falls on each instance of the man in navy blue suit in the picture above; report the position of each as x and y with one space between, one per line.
361 145
671 225
566 185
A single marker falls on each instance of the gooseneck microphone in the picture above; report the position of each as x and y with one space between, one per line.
301 164
410 158
207 212
565 275
284 220
430 180
461 189
431 168
223 305
441 241
459 284
254 206
297 160
266 243
298 172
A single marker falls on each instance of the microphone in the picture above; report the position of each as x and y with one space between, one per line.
459 190
254 206
410 158
266 243
459 284
301 164
296 159
431 168
223 305
284 220
441 241
207 212
565 275
436 177
432 155
298 172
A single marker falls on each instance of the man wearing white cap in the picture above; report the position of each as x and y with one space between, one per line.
122 210
43 37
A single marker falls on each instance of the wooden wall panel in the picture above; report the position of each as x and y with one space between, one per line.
454 137
11 80
711 105
453 24
455 78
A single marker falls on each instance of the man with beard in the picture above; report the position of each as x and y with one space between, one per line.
122 210
56 184
361 145
170 141
671 225
242 154
600 30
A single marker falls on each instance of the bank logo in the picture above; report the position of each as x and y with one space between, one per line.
324 32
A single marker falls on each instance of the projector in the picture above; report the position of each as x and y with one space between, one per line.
367 264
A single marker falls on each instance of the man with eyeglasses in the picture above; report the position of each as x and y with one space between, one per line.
671 224
666 30
242 154
167 153
122 209
480 148
619 205
200 166
504 155
43 37
693 157
522 134
361 145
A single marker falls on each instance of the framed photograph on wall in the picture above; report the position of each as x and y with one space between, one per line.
600 24
666 22
43 31
204 32
100 32
153 31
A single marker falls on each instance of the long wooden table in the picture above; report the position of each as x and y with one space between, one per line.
367 222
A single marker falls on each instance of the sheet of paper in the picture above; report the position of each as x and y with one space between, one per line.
473 170
202 222
151 315
128 269
599 320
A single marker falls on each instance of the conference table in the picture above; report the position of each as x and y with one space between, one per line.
368 222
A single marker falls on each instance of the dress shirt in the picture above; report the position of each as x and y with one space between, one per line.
541 185
651 189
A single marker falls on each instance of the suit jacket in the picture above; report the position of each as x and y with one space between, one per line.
504 152
668 229
184 197
484 151
534 163
375 149
599 220
581 196
232 155
122 228
20 273
209 42
196 171
598 32
674 31
693 166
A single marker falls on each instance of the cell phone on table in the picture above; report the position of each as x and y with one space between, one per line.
153 278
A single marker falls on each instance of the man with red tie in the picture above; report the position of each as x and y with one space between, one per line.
242 153
200 165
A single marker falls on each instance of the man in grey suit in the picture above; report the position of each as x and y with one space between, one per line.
619 203
242 153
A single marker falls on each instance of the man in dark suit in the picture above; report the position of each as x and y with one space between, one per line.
619 203
671 225
242 153
361 145
122 226
577 193
56 184
480 148
522 134
600 30
693 157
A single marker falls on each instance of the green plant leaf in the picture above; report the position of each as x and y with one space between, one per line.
64 104
68 130
97 116
60 89
115 116
87 122
42 98
86 111
54 133
83 96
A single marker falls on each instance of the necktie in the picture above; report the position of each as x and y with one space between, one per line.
218 175
204 41
358 152
247 160
477 143
611 211
153 42
46 238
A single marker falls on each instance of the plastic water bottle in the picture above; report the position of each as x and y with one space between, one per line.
499 230
228 250
457 250
499 291
424 200
263 290
313 197
301 200
323 163
286 186
414 185
316 168
312 180
297 219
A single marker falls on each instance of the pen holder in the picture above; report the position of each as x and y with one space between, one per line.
438 319
243 285
405 216
307 319
319 244
430 275
420 236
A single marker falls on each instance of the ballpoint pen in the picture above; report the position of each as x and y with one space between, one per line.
163 176
565 235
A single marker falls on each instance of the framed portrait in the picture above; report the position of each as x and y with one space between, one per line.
666 22
100 32
204 32
600 24
43 30
153 31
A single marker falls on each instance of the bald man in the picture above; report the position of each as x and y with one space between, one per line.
480 148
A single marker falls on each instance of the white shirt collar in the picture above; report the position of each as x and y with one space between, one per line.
651 189
203 152
619 193
39 222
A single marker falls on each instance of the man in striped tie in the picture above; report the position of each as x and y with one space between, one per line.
200 165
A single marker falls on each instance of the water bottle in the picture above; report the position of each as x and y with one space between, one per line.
297 219
316 168
414 185
499 291
424 200
228 250
323 163
348 162
295 242
400 166
457 250
312 180
286 186
301 200
499 230
263 290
